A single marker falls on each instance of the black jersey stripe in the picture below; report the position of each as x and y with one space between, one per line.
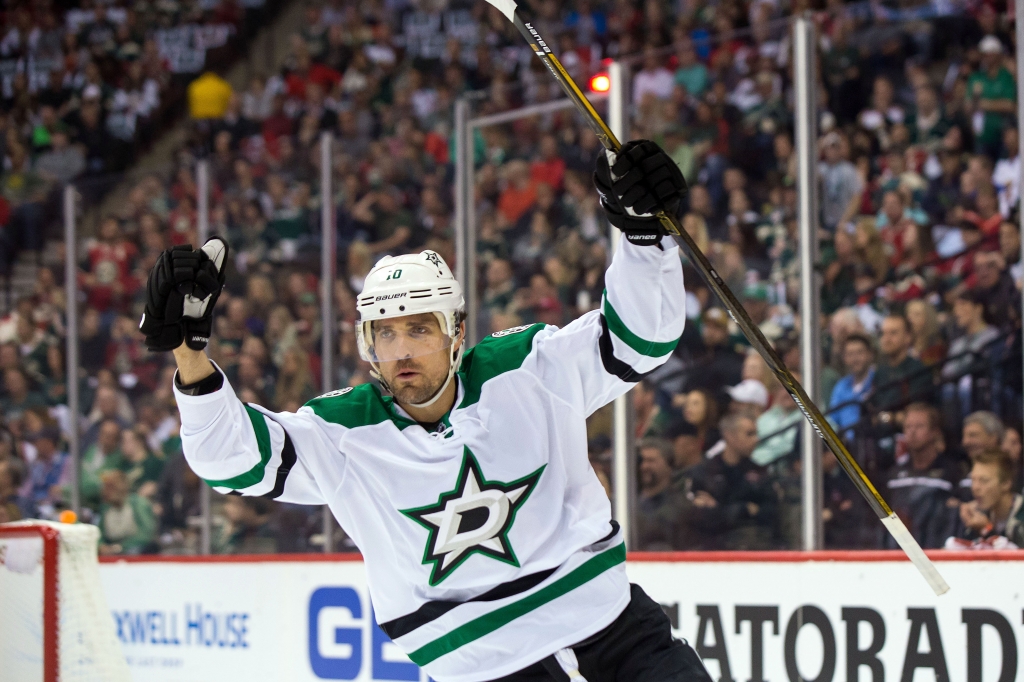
615 529
288 459
403 625
433 610
612 364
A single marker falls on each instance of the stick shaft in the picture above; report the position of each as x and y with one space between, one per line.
721 289
739 315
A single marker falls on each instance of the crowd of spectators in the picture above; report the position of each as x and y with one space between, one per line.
920 241
918 228
84 89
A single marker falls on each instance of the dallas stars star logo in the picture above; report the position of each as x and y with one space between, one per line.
474 517
434 258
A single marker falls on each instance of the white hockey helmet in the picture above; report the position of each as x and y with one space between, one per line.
411 285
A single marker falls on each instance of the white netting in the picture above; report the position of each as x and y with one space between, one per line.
88 647
21 609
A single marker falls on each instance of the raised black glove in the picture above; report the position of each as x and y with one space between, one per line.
641 181
180 295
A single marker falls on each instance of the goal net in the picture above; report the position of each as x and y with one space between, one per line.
54 622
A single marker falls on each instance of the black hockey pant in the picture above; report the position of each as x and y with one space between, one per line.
638 646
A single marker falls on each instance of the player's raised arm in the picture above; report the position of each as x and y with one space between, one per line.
233 446
601 355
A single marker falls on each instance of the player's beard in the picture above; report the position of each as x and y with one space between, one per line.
433 371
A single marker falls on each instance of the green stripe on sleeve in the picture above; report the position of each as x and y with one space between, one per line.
254 475
654 349
488 623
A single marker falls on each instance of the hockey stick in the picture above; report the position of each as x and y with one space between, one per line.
814 416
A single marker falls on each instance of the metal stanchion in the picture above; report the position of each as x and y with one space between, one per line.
623 447
202 234
473 331
71 347
328 263
202 201
810 283
461 193
466 270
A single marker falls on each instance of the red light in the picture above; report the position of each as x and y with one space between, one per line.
600 83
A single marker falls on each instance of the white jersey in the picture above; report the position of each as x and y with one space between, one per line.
488 542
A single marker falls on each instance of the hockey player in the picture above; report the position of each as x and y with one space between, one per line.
487 536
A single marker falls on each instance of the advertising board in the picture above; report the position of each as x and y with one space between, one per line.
864 616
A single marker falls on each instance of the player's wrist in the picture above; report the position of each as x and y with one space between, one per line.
193 365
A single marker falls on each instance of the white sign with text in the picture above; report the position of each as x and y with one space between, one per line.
871 621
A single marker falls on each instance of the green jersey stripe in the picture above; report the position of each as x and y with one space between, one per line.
496 354
653 349
488 623
254 475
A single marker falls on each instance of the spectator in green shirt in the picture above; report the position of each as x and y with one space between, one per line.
691 74
500 286
381 211
993 93
103 455
926 124
840 66
20 396
895 364
126 521
783 413
143 467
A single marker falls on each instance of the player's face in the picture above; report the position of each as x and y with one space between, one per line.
413 354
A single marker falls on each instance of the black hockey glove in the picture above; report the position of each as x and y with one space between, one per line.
180 295
641 181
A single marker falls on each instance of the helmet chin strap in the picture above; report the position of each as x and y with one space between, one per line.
454 361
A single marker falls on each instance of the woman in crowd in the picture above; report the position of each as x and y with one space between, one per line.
143 465
701 410
295 381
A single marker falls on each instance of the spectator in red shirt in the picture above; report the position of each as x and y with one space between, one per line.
278 123
549 168
986 218
307 72
109 283
892 223
183 221
519 194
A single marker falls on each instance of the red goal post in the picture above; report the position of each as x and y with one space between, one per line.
50 552
56 624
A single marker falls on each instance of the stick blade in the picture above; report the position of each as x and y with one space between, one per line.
506 7
914 552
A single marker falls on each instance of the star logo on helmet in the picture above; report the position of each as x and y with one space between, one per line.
474 517
435 259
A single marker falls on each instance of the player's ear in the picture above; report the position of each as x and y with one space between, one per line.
462 333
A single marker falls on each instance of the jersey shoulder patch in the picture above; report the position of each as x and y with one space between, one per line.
498 353
356 406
